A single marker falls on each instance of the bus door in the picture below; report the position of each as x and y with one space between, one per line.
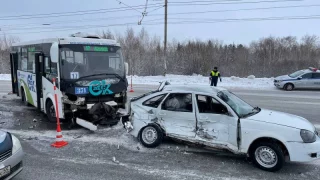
14 68
39 67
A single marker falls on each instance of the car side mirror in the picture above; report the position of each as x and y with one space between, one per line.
299 78
126 66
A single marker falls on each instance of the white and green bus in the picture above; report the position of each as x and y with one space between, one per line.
90 73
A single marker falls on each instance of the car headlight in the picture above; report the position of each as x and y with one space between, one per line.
16 144
308 136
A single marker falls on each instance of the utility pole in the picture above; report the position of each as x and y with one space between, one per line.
165 35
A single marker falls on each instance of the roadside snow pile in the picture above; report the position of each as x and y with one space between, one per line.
5 77
227 82
251 77
234 78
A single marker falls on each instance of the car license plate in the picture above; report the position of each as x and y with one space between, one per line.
4 171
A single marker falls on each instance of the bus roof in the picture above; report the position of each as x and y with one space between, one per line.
71 40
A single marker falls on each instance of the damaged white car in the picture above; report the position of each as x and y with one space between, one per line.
216 118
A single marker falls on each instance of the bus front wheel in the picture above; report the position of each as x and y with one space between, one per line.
51 112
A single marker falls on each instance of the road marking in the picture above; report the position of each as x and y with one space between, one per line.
296 96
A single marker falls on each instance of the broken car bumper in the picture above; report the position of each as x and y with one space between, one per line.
304 152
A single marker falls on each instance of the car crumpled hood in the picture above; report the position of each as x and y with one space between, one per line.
3 136
283 119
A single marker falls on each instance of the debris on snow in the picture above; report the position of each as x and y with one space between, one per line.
31 127
118 147
34 120
114 160
77 137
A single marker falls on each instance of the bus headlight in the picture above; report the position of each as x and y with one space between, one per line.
117 95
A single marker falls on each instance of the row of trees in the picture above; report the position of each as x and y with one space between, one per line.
266 57
5 44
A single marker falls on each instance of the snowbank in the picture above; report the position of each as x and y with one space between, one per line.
228 82
5 77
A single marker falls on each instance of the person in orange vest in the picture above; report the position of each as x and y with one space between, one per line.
214 75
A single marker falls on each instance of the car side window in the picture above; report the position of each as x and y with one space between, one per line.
316 76
307 76
154 101
207 104
180 102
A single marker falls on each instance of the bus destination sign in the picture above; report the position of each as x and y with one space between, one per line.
96 48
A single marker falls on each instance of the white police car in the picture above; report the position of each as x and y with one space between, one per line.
303 79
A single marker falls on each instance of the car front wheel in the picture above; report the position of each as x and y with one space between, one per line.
268 156
151 136
289 87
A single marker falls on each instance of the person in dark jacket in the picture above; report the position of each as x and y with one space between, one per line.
214 76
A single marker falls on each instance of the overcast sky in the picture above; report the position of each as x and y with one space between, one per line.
238 32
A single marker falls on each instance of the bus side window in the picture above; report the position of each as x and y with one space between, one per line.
24 59
54 68
47 65
31 62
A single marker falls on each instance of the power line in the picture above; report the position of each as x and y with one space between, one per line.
172 14
156 9
186 21
247 2
244 9
129 6
75 13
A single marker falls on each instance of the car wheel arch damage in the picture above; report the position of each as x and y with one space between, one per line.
270 140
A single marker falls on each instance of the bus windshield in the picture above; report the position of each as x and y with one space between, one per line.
85 60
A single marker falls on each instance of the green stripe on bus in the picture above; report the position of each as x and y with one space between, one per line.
29 97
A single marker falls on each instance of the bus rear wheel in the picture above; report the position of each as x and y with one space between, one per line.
23 97
51 112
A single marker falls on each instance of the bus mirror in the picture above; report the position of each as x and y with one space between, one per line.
54 52
126 65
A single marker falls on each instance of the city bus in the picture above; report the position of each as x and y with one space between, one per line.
90 75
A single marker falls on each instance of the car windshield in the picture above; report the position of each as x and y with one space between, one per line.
296 74
242 108
80 60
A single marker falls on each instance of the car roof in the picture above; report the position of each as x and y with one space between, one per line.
192 89
310 71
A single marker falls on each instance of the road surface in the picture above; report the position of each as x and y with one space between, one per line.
111 153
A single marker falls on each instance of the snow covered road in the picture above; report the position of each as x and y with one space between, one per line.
90 155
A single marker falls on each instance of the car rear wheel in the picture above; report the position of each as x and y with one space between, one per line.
268 156
289 87
151 136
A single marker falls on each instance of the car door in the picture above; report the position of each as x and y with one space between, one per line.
215 123
177 115
305 81
315 80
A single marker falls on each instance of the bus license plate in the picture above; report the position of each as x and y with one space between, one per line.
81 90
4 171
